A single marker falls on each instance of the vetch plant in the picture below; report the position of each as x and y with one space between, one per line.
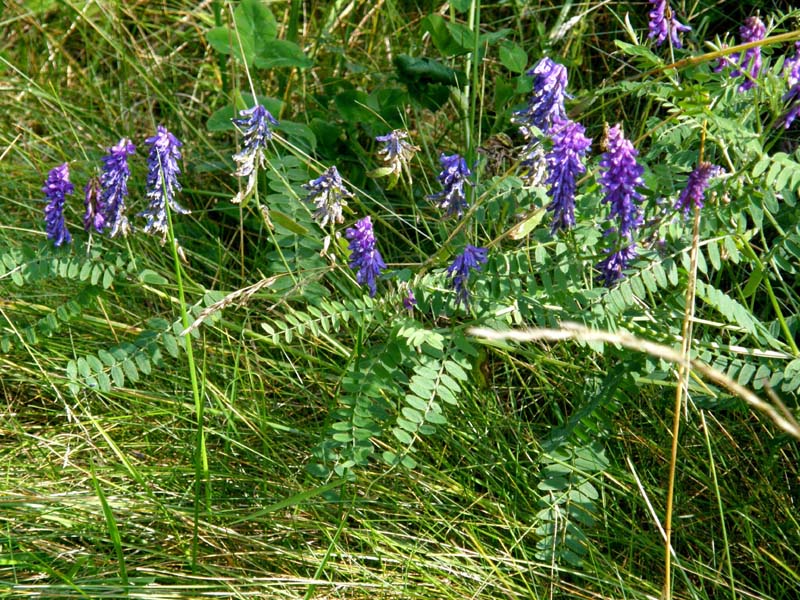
114 187
462 266
365 258
56 189
570 145
162 181
748 64
329 196
454 174
664 25
254 123
694 193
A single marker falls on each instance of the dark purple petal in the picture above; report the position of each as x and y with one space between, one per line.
114 187
663 24
694 193
329 196
162 181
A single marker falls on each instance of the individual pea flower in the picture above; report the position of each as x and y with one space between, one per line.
409 300
620 176
55 189
114 187
452 199
364 256
564 162
162 181
254 123
664 24
396 153
694 192
329 196
94 216
613 266
459 271
752 30
791 67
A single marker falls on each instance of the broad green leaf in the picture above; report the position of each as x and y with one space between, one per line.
281 53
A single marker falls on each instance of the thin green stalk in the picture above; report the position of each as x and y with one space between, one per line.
712 466
201 455
113 530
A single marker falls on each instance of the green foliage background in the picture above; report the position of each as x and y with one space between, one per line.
305 440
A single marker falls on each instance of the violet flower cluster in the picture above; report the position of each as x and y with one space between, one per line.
693 195
364 256
56 189
791 68
328 195
749 65
664 25
620 177
94 214
114 187
396 151
570 145
454 174
162 181
545 107
459 271
254 123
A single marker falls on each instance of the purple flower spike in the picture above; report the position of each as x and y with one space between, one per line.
114 187
611 268
452 199
162 181
255 126
695 191
663 24
545 107
791 68
546 104
564 161
753 30
364 256
95 210
470 260
55 190
620 177
329 196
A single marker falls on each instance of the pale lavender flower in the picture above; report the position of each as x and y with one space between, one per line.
753 30
114 187
564 161
459 271
620 176
55 190
93 217
452 199
664 24
254 123
396 152
695 190
364 256
791 68
329 196
162 181
611 268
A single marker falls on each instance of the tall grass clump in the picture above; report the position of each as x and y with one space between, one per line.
399 300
